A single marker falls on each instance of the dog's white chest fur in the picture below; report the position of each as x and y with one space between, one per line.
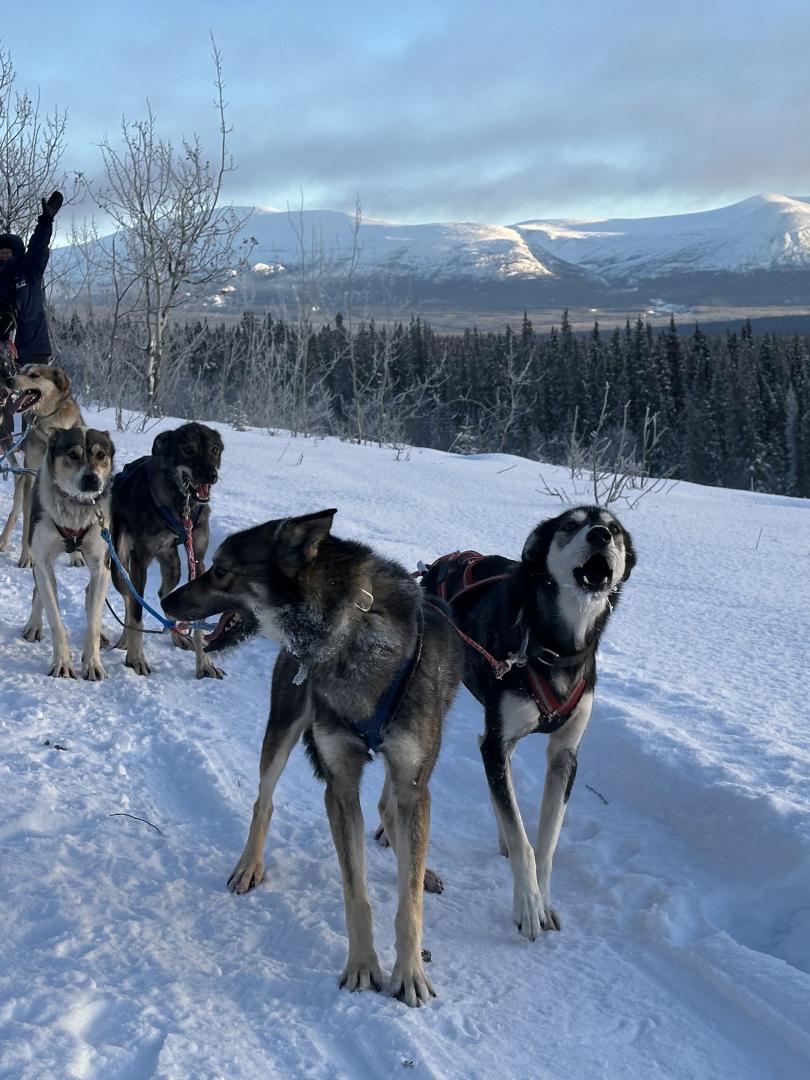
519 716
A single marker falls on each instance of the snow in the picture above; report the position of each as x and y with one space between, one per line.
762 232
685 949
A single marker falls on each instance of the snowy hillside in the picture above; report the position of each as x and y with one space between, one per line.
763 232
323 241
681 875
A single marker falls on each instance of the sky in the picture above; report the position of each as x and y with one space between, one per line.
433 110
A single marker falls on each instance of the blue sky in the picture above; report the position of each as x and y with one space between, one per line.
497 111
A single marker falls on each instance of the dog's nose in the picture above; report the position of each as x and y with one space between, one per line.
91 482
599 536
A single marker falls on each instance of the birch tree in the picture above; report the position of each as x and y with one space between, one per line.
173 235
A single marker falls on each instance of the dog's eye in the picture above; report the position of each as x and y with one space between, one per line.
33 375
74 455
187 450
614 528
570 526
219 573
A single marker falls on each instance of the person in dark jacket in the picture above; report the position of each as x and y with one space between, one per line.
23 321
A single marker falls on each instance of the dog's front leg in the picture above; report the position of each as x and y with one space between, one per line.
33 628
561 757
14 513
411 798
527 905
135 658
205 669
342 759
290 714
46 588
26 560
94 598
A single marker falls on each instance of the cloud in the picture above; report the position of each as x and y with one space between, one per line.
464 110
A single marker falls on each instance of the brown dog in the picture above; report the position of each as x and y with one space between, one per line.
54 409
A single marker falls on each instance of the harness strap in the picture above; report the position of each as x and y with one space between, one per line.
391 699
72 537
553 711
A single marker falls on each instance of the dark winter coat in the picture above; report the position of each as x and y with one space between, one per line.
21 288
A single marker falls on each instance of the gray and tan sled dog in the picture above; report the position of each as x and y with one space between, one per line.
366 664
49 407
533 627
158 501
71 494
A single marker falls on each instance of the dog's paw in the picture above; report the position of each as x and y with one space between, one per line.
246 875
380 836
433 883
362 975
529 912
62 669
182 641
25 562
138 665
93 670
411 985
77 559
207 670
32 633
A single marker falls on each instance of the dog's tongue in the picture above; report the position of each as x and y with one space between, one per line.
223 620
203 491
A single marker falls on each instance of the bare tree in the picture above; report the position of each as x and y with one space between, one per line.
174 237
612 465
32 145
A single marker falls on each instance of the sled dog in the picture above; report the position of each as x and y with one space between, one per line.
49 407
540 618
152 498
366 664
72 489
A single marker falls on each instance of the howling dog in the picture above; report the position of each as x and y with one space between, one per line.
533 627
366 664
71 496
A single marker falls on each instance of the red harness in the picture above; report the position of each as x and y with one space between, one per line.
554 710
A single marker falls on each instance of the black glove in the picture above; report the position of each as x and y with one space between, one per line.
52 205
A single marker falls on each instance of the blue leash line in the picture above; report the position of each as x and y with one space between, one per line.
170 624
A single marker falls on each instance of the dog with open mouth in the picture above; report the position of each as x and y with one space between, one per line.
532 627
70 499
156 500
366 665
43 394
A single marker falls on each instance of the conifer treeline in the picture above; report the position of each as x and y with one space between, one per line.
735 408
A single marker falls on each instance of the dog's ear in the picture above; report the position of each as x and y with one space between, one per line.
162 442
629 555
54 435
298 540
61 380
535 550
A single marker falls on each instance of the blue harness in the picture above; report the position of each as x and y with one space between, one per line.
391 699
167 514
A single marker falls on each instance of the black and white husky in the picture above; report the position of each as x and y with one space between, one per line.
366 664
71 490
541 619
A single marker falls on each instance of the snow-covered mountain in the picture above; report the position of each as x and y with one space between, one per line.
764 232
753 253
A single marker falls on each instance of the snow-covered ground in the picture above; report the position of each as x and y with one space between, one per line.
682 875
